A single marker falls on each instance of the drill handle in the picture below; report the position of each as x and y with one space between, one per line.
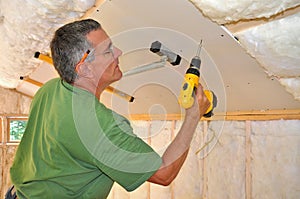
213 103
186 96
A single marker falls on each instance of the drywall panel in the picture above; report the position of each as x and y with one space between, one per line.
239 82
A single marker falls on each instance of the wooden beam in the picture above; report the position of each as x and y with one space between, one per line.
238 115
264 115
1 130
204 162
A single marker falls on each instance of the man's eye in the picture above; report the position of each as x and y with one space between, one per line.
108 53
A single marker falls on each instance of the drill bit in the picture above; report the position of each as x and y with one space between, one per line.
196 61
199 49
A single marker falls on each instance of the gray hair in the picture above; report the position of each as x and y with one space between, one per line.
69 45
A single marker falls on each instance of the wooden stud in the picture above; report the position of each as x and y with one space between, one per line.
1 130
204 173
248 172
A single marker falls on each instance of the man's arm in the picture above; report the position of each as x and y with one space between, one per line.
176 153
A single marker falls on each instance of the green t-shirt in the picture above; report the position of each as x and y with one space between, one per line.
75 147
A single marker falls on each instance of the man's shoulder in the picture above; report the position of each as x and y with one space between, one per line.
47 88
52 81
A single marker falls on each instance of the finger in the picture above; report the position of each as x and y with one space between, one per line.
199 91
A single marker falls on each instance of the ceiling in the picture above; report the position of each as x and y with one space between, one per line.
235 63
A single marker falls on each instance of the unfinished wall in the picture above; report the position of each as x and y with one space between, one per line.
12 103
250 159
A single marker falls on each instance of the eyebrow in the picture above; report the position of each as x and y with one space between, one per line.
109 46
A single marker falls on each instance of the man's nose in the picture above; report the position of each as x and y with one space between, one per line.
117 52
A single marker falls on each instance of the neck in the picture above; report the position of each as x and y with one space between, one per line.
90 86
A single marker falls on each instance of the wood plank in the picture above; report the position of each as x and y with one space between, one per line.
203 162
1 130
248 173
238 116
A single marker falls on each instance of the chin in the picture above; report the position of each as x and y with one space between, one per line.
118 73
119 77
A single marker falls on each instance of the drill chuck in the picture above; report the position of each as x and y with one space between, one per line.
192 70
196 62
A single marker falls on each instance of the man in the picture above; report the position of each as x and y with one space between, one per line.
75 147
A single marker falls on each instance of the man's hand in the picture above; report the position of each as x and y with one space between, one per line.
200 106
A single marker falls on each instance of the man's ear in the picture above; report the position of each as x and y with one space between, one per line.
83 70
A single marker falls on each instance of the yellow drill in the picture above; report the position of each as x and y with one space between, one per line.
190 84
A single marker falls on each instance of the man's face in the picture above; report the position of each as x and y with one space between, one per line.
105 66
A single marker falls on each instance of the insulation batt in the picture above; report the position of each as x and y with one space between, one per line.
227 11
27 27
275 160
276 45
292 86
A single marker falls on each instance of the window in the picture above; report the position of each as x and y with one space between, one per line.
16 127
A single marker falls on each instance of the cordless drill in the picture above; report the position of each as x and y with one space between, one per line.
190 84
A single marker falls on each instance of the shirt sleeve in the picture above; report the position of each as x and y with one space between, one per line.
122 155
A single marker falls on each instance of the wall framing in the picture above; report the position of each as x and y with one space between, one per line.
231 116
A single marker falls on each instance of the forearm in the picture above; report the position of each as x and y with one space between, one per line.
176 153
182 141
